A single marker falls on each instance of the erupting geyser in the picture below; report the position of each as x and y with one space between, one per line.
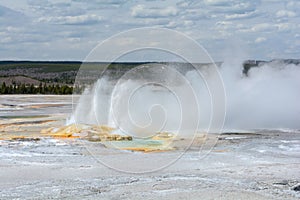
147 99
174 97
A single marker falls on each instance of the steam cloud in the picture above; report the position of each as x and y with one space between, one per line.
267 98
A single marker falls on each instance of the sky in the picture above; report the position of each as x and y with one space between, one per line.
70 29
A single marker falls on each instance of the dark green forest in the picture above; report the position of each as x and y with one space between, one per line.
31 89
51 77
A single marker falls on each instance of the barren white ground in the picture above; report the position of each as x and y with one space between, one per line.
264 165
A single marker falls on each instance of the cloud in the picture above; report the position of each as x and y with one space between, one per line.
5 11
231 6
284 27
223 23
4 40
112 2
194 14
293 5
27 26
262 27
285 13
260 40
11 17
217 2
183 23
141 11
240 16
72 20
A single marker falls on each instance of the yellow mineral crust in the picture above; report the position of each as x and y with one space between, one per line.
15 126
95 133
19 137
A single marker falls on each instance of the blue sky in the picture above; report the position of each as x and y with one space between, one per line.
70 29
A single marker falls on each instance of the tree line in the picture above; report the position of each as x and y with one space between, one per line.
32 89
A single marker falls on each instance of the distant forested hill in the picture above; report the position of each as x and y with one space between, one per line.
58 77
50 77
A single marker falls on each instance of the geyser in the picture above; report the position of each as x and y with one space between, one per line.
174 97
147 99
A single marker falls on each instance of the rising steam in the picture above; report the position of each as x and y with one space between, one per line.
171 98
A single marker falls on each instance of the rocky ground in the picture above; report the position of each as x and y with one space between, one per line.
258 165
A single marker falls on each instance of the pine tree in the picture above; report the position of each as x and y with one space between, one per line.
3 88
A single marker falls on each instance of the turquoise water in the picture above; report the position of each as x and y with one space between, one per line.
137 143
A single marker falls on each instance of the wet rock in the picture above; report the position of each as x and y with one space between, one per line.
296 187
283 182
25 139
